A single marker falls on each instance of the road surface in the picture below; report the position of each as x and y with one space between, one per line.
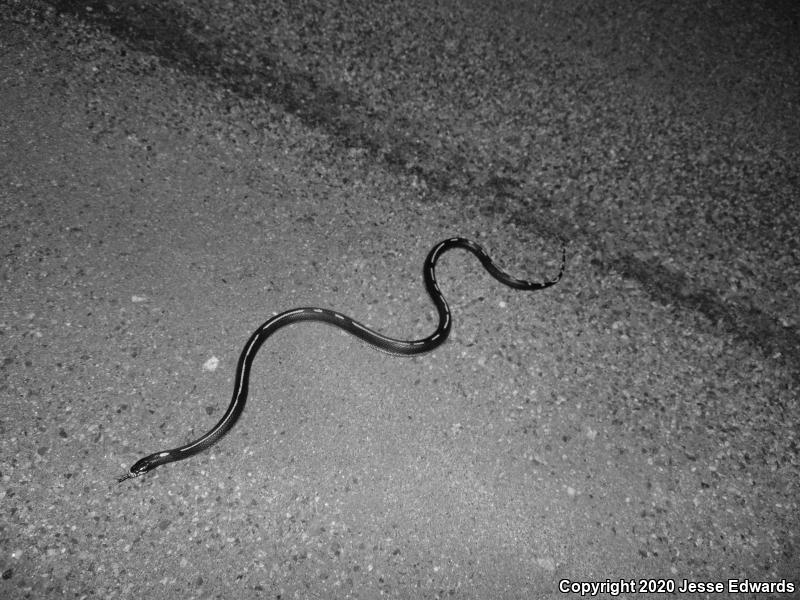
173 173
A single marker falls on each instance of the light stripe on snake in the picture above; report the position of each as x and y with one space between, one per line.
362 332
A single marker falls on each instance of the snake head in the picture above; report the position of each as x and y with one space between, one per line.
143 465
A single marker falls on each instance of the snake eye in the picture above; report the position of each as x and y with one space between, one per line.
142 466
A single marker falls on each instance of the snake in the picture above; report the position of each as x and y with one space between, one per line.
362 332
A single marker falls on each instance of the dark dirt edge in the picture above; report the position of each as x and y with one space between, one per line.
174 37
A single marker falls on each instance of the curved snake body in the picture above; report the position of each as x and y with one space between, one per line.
362 332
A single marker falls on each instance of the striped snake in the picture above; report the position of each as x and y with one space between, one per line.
362 332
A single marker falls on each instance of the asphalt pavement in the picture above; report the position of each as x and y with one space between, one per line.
174 173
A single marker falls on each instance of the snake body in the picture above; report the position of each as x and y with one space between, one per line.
362 332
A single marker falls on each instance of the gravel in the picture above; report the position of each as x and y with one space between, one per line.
173 172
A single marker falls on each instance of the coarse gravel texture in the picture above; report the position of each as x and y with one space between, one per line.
171 173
